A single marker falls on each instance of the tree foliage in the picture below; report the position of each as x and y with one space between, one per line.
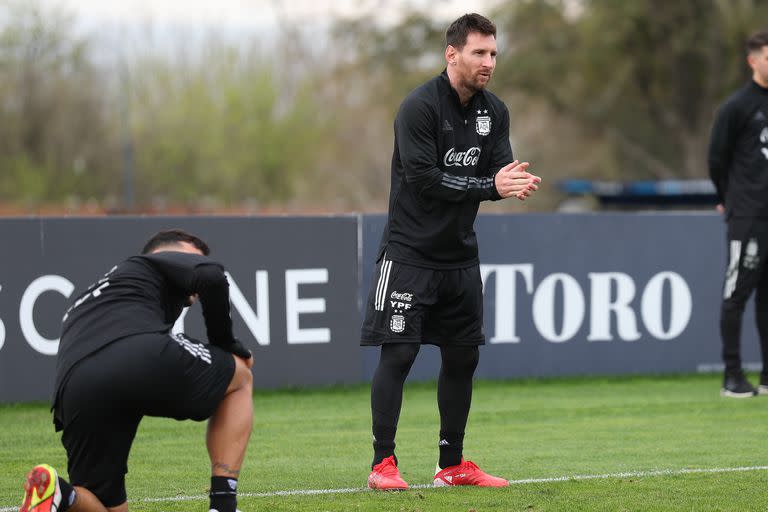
596 89
208 125
644 76
216 126
54 123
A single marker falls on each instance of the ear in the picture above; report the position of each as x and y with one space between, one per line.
755 58
450 54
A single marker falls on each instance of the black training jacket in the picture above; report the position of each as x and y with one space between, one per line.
738 152
444 162
144 294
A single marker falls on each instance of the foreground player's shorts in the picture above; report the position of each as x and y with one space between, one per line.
106 395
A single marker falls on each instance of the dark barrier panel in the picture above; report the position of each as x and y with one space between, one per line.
564 294
294 288
593 294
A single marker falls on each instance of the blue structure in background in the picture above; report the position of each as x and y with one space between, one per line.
662 194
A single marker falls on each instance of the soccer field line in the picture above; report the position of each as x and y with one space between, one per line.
554 479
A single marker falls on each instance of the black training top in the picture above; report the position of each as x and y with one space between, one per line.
144 294
738 152
444 163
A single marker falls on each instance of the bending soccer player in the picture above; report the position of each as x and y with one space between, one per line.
452 151
118 362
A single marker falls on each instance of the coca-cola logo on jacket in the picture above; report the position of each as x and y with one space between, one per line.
466 158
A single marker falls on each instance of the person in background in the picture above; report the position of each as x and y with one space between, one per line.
738 166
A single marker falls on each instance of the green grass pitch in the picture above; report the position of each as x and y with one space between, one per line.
627 443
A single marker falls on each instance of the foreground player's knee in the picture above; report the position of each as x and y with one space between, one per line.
242 377
243 374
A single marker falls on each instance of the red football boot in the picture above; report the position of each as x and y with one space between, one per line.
385 476
467 473
41 490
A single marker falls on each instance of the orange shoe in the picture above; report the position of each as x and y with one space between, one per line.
467 473
41 490
386 477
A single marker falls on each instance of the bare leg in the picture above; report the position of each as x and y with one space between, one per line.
230 426
86 501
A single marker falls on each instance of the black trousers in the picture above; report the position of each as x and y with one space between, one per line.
746 273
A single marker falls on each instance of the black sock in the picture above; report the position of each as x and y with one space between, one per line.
451 449
454 398
730 332
223 494
67 495
383 444
387 395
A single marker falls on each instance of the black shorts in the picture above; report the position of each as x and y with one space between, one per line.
106 395
409 304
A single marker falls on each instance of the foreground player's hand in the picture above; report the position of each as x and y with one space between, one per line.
238 349
514 180
248 362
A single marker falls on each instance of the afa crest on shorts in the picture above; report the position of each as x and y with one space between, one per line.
397 323
483 125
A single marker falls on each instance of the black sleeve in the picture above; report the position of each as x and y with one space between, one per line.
417 144
213 291
501 152
198 275
721 146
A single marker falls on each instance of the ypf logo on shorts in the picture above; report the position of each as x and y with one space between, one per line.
397 323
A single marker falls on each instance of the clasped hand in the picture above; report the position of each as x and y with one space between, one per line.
514 180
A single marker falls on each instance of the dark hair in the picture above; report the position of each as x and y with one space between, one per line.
757 40
174 236
457 33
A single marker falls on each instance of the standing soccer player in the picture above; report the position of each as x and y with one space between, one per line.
118 362
738 166
451 152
